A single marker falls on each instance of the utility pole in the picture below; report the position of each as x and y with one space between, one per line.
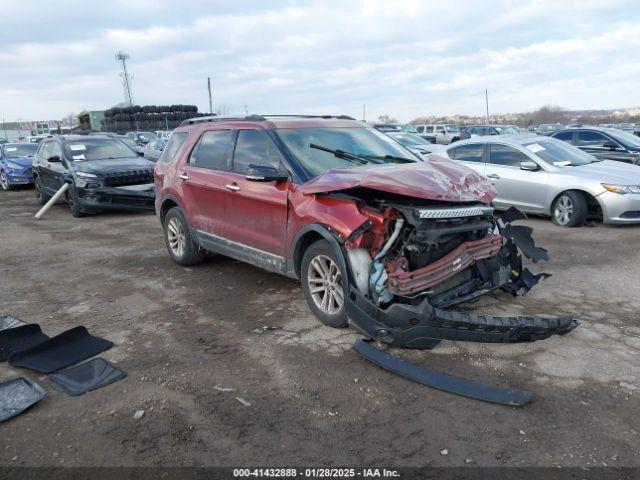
126 78
4 127
364 112
210 97
486 100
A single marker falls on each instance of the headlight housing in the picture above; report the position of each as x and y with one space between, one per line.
621 189
14 166
86 175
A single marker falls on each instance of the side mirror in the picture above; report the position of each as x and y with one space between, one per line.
529 166
610 145
265 173
54 159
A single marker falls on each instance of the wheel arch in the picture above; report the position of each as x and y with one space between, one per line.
595 209
305 238
168 202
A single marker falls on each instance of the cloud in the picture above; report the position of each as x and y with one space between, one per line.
405 58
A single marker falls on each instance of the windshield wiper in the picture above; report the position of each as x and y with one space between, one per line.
392 157
351 157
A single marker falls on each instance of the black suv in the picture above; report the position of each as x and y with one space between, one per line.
604 143
103 173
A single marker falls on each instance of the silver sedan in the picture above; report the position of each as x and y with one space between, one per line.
545 176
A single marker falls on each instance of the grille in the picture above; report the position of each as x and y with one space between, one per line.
457 212
128 177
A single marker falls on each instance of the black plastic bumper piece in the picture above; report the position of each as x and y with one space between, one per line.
442 381
422 326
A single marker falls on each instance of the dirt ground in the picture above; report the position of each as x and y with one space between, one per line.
230 368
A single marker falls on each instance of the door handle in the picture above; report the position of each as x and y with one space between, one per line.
493 175
183 176
233 188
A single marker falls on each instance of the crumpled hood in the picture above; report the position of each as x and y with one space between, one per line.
24 162
114 165
436 179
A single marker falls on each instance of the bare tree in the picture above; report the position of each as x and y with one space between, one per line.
386 118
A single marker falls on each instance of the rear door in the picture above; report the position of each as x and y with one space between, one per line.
205 182
523 189
44 168
257 211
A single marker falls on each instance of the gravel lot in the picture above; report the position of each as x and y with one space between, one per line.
231 368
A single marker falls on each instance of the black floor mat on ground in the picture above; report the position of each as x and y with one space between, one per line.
7 321
13 340
87 376
17 395
61 351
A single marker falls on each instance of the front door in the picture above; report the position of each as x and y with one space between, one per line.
524 189
256 213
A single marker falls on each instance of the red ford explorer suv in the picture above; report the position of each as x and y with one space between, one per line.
380 240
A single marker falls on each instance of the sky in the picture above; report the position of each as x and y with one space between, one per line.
405 58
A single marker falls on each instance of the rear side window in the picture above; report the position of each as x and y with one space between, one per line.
213 150
173 145
429 130
254 147
420 129
45 150
507 156
565 136
467 153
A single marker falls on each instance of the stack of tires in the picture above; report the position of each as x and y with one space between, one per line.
147 118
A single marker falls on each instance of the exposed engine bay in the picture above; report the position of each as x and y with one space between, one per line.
412 249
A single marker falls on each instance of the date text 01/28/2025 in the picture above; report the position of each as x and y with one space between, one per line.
315 472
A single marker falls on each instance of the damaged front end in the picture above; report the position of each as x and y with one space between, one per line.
414 258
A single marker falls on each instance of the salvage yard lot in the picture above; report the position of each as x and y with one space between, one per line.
231 368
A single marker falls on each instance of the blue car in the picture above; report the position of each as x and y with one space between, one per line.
16 161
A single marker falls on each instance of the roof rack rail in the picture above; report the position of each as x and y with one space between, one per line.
257 118
339 117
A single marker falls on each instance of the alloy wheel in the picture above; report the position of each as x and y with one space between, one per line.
325 284
564 210
176 237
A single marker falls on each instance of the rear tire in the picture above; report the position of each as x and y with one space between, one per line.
180 243
323 284
570 210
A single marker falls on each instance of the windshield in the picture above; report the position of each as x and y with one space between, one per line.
408 139
129 142
452 128
147 135
359 141
408 128
506 130
625 138
97 149
20 150
559 153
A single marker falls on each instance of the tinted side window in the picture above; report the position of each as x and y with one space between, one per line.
420 129
55 150
45 150
591 139
213 150
254 147
439 129
429 130
565 136
173 145
508 156
467 153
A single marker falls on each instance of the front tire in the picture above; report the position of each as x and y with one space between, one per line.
40 195
4 181
180 243
74 203
570 210
323 284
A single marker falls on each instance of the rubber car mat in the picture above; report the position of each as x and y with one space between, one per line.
86 377
18 395
61 351
442 381
13 340
7 321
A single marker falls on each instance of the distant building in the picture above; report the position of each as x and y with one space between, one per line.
91 120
